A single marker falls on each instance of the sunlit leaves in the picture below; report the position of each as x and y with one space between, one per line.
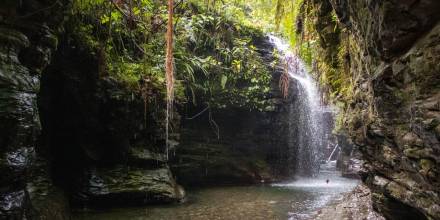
224 66
215 59
223 81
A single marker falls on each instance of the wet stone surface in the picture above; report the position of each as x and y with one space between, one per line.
129 186
355 205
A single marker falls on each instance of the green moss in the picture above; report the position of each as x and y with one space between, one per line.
8 36
426 165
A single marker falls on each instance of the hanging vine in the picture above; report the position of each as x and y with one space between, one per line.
169 71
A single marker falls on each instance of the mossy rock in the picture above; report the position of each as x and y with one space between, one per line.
14 204
129 186
426 165
418 153
145 158
13 38
437 131
47 200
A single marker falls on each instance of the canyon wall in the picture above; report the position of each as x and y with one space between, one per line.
28 39
392 110
67 135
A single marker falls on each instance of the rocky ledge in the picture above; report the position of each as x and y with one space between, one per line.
355 205
129 186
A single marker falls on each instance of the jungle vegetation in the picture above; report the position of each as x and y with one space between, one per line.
214 61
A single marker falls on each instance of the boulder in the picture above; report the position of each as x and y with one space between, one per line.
128 186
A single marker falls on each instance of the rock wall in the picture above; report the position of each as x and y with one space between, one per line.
250 148
89 141
28 39
392 112
237 145
107 149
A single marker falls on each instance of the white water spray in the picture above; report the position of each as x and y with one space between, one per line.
306 113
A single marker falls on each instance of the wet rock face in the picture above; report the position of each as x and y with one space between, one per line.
129 186
27 40
13 204
393 114
354 205
394 25
250 149
50 152
94 128
236 145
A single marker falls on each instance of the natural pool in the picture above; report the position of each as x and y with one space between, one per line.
294 200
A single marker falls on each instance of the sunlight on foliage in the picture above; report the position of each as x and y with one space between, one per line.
216 61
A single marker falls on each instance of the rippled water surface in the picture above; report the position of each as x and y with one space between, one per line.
293 200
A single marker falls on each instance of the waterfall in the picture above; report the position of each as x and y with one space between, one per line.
306 114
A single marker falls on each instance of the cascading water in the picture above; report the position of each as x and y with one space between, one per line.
294 200
306 113
309 139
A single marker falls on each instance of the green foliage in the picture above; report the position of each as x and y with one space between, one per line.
127 40
216 61
316 35
219 63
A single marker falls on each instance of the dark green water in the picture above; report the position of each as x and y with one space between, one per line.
294 200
